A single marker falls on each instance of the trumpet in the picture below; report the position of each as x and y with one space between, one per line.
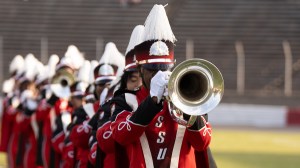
195 87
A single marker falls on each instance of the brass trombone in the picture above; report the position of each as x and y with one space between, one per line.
195 87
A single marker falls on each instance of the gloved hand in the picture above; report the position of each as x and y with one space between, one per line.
158 84
29 104
26 94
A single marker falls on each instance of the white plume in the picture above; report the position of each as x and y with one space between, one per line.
30 66
75 55
52 62
83 74
16 64
8 85
112 56
42 72
136 38
157 26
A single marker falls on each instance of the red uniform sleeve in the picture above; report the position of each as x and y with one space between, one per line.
129 126
104 138
200 139
80 135
125 131
58 142
93 154
68 155
42 110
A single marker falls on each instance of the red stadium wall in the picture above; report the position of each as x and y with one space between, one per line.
293 117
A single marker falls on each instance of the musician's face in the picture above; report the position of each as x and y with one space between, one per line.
134 81
147 76
100 87
76 102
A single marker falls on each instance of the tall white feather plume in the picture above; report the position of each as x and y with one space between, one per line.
83 73
157 26
94 63
30 66
112 55
16 64
136 38
76 56
8 85
42 72
52 62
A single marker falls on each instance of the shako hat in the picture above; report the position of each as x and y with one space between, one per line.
157 49
136 38
110 63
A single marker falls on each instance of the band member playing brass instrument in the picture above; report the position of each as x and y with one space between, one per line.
142 123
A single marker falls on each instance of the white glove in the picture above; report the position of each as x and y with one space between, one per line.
159 83
26 94
27 99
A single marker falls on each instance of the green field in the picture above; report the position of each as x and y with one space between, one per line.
2 160
248 148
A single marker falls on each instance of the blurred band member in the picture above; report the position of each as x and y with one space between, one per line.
129 83
81 129
9 91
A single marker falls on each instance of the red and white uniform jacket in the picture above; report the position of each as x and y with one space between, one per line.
22 149
152 138
106 155
44 122
81 131
47 114
68 154
13 145
6 125
62 120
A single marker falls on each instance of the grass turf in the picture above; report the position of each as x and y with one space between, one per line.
246 148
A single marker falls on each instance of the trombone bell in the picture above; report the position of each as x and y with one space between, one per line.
195 87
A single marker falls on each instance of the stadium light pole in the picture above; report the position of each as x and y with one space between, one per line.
288 80
1 61
189 52
240 67
99 48
44 50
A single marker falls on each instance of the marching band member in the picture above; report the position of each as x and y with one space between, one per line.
19 142
104 74
9 90
117 60
74 61
57 108
44 108
130 81
143 124
77 102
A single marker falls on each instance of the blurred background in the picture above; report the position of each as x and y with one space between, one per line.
255 44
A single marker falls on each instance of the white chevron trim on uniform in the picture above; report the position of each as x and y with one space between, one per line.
146 151
177 146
